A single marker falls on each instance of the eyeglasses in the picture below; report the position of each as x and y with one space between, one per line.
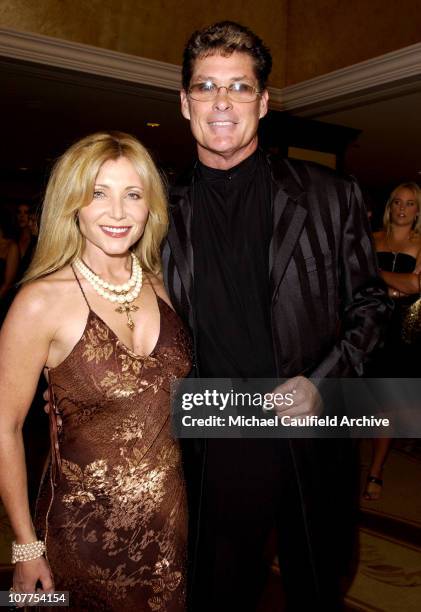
237 91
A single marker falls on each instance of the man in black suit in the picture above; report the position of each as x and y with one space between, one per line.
271 264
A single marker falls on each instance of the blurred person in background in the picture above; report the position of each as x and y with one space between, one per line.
398 245
9 258
28 232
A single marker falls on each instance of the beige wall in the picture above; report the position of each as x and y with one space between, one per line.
307 37
324 35
156 29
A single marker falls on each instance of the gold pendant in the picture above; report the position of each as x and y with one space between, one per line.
127 308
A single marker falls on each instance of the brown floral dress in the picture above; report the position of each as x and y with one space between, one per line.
112 505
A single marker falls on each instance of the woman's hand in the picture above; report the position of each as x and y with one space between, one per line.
406 283
28 573
394 293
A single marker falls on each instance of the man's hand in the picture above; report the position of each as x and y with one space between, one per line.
46 397
307 399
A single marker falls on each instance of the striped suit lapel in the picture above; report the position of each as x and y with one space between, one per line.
179 239
289 214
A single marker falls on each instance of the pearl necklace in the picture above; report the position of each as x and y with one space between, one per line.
123 294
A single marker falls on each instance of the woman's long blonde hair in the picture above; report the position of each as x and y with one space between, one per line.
71 186
417 197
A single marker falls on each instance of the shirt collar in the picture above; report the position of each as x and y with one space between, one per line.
244 168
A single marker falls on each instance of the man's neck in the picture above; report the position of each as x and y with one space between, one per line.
225 160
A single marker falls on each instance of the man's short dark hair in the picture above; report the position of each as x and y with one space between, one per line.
224 38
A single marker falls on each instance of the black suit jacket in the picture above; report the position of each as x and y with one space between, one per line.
328 309
328 303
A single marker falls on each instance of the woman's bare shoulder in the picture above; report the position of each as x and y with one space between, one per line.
379 239
45 294
13 248
416 240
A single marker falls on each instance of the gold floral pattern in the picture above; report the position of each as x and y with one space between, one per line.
98 346
85 485
129 380
116 530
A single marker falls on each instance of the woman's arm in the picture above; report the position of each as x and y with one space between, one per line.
417 269
404 282
24 343
12 264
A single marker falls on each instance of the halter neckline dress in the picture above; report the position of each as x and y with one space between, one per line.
112 505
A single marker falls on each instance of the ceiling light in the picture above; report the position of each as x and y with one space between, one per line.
152 124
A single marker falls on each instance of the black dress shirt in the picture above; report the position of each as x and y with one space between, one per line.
232 228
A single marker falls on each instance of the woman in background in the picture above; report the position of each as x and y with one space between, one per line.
111 513
9 261
9 253
27 240
398 245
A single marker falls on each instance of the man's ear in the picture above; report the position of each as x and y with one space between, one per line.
185 108
264 99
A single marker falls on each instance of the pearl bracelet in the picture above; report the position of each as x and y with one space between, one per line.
27 552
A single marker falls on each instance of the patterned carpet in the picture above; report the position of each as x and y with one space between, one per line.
389 571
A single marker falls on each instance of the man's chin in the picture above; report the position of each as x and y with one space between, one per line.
222 146
226 149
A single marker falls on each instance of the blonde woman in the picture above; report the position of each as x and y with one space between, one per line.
110 524
398 247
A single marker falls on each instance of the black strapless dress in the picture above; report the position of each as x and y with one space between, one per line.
397 359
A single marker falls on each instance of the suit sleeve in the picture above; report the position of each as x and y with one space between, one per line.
365 306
